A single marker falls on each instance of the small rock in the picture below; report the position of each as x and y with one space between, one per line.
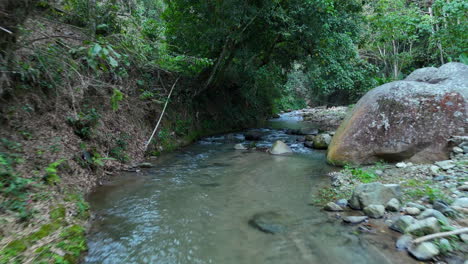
457 150
445 164
145 165
463 188
322 141
412 211
424 227
401 165
309 137
445 246
354 219
464 238
443 207
404 242
402 223
240 146
434 213
309 144
419 206
393 205
373 193
461 202
374 210
279 147
269 222
434 169
424 251
342 202
333 207
379 172
439 178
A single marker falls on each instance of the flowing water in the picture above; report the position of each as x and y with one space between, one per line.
194 206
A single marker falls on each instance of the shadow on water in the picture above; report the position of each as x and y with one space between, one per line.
196 204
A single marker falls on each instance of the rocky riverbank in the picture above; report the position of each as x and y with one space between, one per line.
413 200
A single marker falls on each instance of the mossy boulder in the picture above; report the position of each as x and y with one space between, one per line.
412 119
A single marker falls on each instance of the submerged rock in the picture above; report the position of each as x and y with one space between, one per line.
424 251
240 146
279 147
269 222
145 165
412 119
373 193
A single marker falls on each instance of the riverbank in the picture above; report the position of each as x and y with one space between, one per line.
425 191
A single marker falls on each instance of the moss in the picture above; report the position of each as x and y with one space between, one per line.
12 250
58 213
74 243
44 231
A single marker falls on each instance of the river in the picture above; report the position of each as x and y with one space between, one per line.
194 206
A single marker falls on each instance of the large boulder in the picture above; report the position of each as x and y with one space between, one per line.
373 193
412 119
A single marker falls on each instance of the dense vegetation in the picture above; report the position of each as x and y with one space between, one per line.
238 62
264 55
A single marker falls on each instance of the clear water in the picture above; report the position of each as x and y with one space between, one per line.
195 205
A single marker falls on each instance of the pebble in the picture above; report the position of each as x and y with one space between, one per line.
393 205
401 165
464 237
374 210
445 164
342 202
457 150
412 211
419 206
354 219
463 188
404 242
424 251
434 169
332 207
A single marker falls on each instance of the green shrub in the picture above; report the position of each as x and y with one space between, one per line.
84 123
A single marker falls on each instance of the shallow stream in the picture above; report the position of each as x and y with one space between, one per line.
194 206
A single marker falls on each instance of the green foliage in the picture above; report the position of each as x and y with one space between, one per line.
51 177
13 187
117 96
419 189
328 194
102 57
120 147
362 175
84 123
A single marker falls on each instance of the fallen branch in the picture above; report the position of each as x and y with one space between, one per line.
6 30
161 116
442 234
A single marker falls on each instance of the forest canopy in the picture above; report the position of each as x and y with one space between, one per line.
265 56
